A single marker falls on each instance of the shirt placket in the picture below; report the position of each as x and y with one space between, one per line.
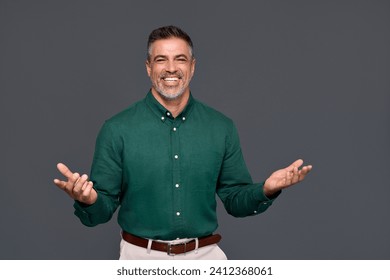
178 214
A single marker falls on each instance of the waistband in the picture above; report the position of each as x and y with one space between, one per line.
172 248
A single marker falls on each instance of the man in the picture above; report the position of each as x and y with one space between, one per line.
162 161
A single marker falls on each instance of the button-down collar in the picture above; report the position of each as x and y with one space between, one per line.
162 113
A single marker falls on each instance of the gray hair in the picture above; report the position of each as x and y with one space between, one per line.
167 32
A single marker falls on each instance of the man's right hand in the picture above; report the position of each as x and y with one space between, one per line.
77 187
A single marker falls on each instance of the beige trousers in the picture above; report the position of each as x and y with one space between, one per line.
129 251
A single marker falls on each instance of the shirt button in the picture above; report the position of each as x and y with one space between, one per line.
176 156
177 185
184 118
174 129
177 213
168 114
162 118
255 212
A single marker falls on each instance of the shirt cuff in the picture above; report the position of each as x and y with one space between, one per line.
261 197
263 201
89 209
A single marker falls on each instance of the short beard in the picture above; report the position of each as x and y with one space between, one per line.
163 93
167 96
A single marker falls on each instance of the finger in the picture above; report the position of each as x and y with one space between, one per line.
84 186
296 164
79 183
60 184
64 170
69 185
88 188
304 171
73 180
85 195
289 178
295 175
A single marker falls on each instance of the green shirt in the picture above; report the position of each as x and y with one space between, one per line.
165 172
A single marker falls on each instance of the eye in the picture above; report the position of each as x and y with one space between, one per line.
182 59
159 60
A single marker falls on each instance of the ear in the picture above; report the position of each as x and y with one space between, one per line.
193 66
148 68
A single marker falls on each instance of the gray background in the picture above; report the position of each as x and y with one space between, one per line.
301 79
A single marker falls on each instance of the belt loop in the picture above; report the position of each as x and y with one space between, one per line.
149 248
196 245
169 249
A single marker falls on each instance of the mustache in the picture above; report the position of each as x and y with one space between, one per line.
166 74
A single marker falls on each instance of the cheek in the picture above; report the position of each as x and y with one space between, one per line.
154 72
155 75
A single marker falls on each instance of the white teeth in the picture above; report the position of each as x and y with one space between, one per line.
170 79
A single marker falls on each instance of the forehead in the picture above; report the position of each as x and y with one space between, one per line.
170 46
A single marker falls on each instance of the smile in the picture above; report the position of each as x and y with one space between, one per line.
171 79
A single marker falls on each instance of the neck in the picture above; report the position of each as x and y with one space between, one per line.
175 106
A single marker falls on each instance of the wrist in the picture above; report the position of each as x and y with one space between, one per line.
268 190
91 199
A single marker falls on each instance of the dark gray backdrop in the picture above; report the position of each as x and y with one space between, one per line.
301 79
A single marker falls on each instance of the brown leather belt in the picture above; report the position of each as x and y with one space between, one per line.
171 249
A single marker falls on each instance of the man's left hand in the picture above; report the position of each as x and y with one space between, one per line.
286 177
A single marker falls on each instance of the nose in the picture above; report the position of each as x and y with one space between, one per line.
170 66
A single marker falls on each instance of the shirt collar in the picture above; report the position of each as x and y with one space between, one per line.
162 113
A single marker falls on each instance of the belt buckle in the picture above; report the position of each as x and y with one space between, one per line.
170 245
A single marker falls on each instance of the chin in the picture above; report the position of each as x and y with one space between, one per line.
170 95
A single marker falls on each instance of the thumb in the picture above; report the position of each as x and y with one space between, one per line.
60 184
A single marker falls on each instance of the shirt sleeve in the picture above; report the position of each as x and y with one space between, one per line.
106 175
240 196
